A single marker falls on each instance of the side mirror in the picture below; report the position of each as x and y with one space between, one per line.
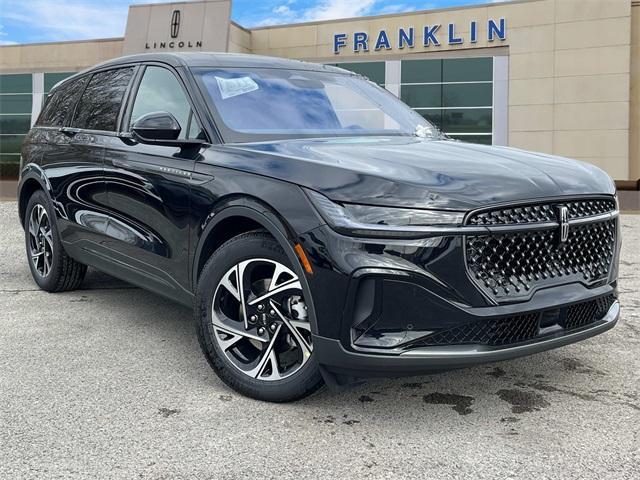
156 127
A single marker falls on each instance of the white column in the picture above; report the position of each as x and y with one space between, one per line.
501 100
37 80
392 77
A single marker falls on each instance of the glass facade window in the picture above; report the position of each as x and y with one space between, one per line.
454 94
15 103
15 83
16 106
15 119
50 79
374 71
12 124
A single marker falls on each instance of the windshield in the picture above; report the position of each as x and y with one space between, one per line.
263 104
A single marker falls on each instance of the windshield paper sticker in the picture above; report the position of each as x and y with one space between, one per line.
232 87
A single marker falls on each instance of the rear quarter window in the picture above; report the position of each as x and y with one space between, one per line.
100 103
60 103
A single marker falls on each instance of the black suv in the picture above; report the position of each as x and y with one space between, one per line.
322 230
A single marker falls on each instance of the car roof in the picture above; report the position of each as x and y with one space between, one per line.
219 59
212 59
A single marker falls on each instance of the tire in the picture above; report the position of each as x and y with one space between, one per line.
277 365
52 269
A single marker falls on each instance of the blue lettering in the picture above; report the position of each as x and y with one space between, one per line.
383 41
430 36
474 32
499 30
453 40
339 41
406 38
360 42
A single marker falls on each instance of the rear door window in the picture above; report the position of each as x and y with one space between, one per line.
100 103
60 103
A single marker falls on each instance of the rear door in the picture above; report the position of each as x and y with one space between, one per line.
76 119
149 187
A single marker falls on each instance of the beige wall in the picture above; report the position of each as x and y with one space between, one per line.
58 57
634 126
568 87
239 39
571 87
569 95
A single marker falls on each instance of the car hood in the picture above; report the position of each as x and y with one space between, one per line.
421 173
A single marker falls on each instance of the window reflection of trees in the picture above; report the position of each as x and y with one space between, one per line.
61 102
100 103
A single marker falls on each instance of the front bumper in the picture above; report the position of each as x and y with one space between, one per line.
384 301
337 359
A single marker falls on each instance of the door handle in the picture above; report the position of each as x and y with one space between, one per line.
69 131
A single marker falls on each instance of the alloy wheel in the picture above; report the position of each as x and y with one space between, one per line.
40 240
260 319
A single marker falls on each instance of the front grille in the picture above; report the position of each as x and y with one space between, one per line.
545 212
515 329
582 314
502 331
509 265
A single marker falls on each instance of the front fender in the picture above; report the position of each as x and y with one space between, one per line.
244 207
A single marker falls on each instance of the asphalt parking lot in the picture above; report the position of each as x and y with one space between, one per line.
109 382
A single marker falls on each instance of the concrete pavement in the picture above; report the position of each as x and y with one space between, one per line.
109 382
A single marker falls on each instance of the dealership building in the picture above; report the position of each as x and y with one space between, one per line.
554 76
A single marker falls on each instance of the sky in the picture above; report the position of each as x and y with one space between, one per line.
32 21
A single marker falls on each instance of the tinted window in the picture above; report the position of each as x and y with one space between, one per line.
160 91
100 103
467 69
50 79
467 95
15 83
60 103
456 94
14 124
374 71
15 103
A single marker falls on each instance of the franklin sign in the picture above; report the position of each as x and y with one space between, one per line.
432 36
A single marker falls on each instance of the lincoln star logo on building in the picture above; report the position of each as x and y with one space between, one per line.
174 31
175 23
432 35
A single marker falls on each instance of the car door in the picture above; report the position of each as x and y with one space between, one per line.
148 188
87 109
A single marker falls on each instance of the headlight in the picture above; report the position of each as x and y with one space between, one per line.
372 221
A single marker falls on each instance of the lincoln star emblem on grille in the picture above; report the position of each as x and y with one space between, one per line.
563 218
175 23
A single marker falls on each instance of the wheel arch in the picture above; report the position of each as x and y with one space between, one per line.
233 220
236 219
33 179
